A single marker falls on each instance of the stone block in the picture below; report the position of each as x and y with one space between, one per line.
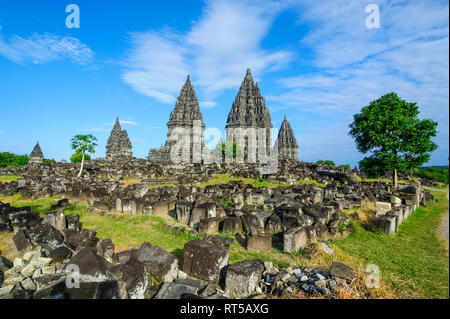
209 225
294 239
160 264
261 242
204 260
242 278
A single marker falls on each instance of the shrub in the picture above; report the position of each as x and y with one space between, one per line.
10 159
76 158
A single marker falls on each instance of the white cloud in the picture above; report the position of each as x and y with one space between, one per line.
97 129
207 104
45 48
2 132
353 65
216 51
137 141
127 122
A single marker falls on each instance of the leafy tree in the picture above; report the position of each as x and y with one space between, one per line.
327 162
82 144
46 160
346 166
227 148
78 158
389 128
10 159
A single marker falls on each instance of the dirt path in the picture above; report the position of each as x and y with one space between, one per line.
444 226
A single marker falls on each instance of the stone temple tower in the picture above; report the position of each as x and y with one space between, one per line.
36 156
119 144
249 112
286 142
183 117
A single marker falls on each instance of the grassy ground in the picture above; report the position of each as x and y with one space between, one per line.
413 263
9 178
225 179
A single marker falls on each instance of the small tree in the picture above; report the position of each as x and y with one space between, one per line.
389 128
227 148
82 144
78 157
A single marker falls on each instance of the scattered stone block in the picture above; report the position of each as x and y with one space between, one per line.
294 239
382 208
21 241
161 265
47 236
209 225
242 278
5 264
231 225
105 249
172 290
204 260
340 270
91 266
262 242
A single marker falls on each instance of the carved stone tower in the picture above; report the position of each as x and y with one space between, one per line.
287 144
247 115
119 144
185 114
36 156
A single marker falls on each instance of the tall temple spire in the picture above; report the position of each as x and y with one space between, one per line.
185 112
287 143
119 144
187 108
249 107
36 155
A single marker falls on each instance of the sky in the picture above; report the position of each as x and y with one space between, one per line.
317 62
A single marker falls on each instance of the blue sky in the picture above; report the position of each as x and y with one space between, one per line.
315 61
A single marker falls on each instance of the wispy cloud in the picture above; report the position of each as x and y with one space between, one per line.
127 122
137 141
2 132
353 65
45 48
216 51
98 129
122 122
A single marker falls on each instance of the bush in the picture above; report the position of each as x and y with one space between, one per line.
433 173
77 157
10 159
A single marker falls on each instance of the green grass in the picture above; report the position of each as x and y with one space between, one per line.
310 181
413 262
255 182
9 178
159 186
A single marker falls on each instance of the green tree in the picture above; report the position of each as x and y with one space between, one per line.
82 144
346 166
227 148
389 128
78 158
10 159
